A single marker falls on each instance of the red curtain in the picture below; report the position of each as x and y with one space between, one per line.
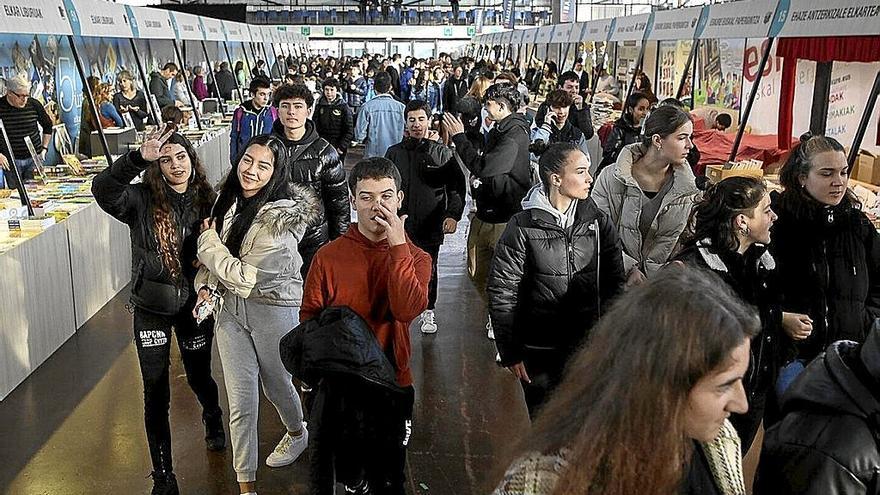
835 49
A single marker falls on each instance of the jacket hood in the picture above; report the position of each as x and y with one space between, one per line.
714 261
511 122
683 185
536 199
830 382
626 122
294 214
308 138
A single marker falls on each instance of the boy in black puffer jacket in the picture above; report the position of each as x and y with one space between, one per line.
333 118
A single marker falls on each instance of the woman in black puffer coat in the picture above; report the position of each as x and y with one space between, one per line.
827 251
626 130
556 267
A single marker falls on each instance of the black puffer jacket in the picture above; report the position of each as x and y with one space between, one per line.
828 262
623 133
317 165
581 119
152 287
433 187
827 442
502 172
334 122
752 278
548 284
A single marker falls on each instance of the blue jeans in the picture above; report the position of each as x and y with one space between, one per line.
25 169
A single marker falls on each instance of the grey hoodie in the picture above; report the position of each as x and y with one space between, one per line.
537 199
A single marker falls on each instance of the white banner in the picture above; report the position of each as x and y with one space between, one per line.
544 34
518 37
187 26
631 28
764 118
577 32
102 19
815 18
850 85
562 33
530 36
153 23
746 19
677 24
34 17
597 30
236 31
213 29
507 37
256 33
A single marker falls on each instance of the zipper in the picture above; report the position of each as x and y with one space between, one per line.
827 283
570 249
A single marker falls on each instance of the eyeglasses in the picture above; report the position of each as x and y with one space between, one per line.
19 95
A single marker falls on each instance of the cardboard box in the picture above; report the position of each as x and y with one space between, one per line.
866 168
717 173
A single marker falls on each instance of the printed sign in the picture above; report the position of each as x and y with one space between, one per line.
746 19
530 36
631 28
561 33
34 17
328 30
188 27
235 31
677 24
597 30
545 33
815 18
213 29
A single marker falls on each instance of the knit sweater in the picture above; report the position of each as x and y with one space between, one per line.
386 285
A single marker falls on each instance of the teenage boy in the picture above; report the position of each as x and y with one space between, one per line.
377 272
333 117
313 163
434 188
578 111
254 117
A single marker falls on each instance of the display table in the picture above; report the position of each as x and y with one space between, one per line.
55 281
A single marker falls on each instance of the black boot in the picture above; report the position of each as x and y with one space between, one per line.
215 437
164 483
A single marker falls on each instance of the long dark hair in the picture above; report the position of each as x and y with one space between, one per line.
713 216
620 410
798 166
277 188
165 228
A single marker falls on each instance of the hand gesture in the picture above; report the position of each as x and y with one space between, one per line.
550 119
432 135
4 162
153 143
454 125
578 101
450 226
797 326
519 370
393 225
207 224
635 277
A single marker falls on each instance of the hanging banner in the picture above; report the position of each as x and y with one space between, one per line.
478 19
508 8
746 19
517 37
101 19
561 33
598 30
152 23
765 111
677 24
37 17
816 18
530 36
850 85
631 28
545 33
213 29
566 11
577 32
256 33
186 26
235 31
506 37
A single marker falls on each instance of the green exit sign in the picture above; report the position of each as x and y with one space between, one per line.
447 31
328 30
305 30
472 30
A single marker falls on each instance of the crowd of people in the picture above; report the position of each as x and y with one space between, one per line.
654 322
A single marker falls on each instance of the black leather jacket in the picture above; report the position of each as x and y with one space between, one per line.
548 284
334 122
152 287
827 441
317 165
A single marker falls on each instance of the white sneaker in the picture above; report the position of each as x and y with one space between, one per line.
288 449
490 332
428 324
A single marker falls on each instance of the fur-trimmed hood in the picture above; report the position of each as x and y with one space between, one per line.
715 262
295 214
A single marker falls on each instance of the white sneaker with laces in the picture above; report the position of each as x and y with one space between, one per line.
490 332
428 323
288 449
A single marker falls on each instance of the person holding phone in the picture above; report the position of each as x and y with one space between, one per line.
557 126
163 214
250 273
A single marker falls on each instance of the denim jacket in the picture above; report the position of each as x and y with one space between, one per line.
379 125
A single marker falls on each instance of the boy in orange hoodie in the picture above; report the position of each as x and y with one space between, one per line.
375 270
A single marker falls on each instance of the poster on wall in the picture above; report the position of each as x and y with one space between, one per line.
106 57
850 85
47 62
721 63
672 57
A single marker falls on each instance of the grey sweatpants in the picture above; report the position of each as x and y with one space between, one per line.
247 336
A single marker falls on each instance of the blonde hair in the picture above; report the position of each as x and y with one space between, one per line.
479 87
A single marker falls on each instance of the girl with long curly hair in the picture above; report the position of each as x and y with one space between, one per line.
163 214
